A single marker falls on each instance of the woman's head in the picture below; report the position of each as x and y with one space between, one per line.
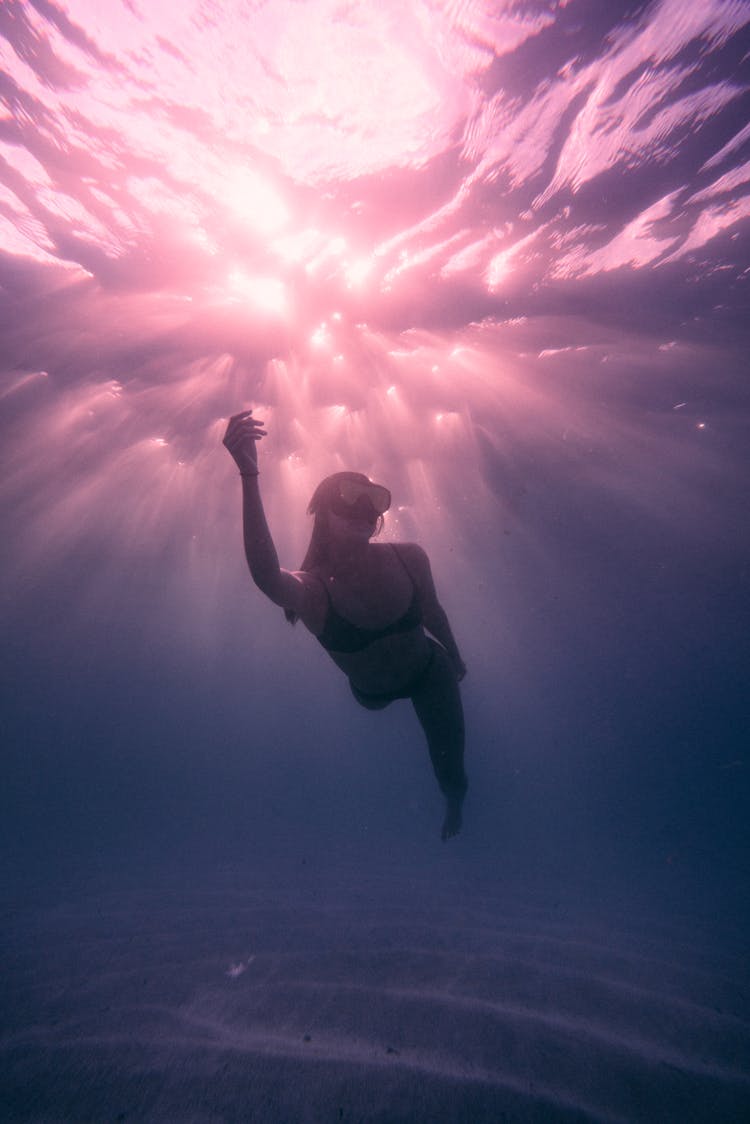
343 503
340 503
350 495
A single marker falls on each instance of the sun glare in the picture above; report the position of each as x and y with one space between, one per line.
253 200
358 271
264 294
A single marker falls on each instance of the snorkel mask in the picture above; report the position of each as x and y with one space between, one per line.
360 500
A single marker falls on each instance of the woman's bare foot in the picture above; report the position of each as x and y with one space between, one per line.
452 821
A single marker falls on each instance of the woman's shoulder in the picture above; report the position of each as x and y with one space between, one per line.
411 551
414 557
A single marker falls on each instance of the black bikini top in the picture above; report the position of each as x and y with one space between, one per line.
340 635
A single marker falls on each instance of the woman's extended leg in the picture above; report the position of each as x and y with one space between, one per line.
437 701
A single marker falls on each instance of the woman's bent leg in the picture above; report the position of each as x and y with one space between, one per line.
437 702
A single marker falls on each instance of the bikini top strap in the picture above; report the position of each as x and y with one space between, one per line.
401 559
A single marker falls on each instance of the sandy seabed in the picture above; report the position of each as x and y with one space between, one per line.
350 998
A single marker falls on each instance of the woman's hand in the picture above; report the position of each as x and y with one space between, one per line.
240 439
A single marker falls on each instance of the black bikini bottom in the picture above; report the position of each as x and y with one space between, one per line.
377 702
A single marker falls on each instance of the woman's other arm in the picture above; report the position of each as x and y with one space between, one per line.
434 617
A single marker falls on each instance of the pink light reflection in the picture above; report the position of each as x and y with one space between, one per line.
346 216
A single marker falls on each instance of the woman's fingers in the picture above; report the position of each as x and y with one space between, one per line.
245 420
242 434
246 430
244 415
243 425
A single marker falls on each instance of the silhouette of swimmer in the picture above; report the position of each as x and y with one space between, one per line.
367 603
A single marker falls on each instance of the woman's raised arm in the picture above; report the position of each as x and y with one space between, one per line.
280 586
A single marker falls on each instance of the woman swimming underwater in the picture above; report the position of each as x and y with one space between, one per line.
367 603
